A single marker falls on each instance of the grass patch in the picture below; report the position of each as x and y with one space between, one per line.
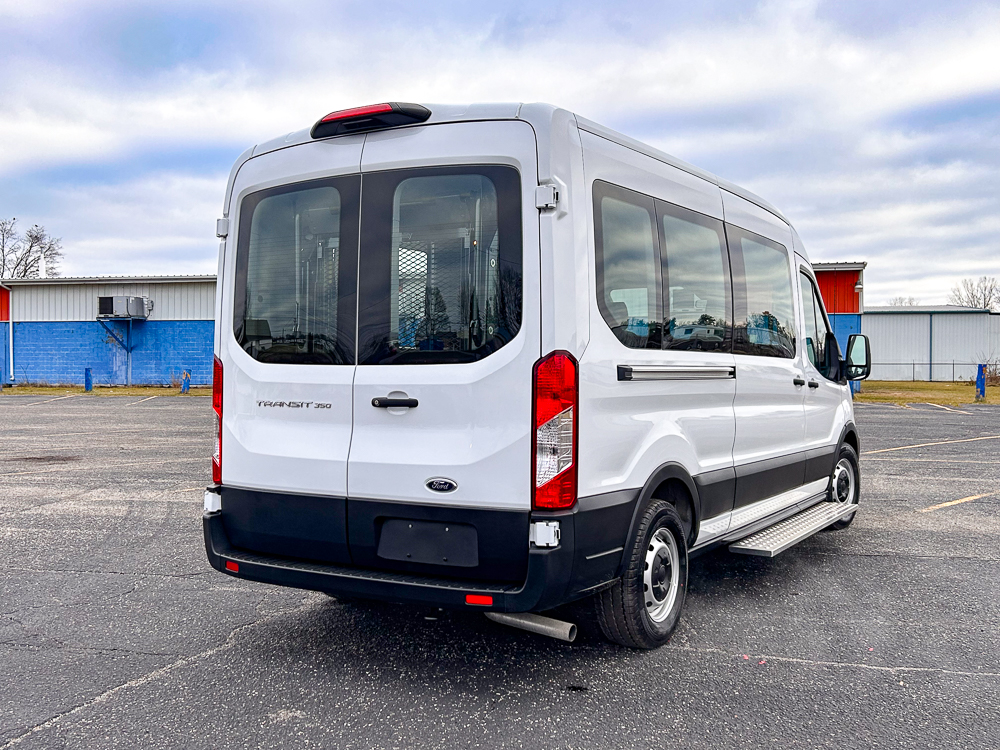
907 392
55 391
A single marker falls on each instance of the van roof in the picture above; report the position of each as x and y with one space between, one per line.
441 113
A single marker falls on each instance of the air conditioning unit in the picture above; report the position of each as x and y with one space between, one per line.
124 307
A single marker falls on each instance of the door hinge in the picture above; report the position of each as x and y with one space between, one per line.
546 196
221 227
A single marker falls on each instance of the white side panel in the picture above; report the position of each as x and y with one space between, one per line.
564 232
630 428
473 422
752 217
769 406
828 406
900 345
289 449
605 160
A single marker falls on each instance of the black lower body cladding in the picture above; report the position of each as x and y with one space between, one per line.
358 548
339 531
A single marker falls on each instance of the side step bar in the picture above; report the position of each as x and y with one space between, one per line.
776 539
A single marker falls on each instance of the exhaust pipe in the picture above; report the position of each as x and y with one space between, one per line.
564 631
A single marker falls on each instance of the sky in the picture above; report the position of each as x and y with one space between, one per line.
874 126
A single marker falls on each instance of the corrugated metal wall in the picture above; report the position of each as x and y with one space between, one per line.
188 300
901 344
837 290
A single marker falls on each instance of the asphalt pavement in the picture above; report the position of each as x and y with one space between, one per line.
115 632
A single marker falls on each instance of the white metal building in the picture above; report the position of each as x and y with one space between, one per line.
931 342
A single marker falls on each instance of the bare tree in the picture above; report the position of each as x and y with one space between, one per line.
22 255
984 293
904 302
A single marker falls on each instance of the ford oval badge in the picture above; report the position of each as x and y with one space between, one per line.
441 484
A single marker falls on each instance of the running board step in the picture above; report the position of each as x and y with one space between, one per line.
776 539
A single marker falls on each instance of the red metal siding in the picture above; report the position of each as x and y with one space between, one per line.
4 304
837 288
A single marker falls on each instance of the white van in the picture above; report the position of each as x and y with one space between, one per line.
499 357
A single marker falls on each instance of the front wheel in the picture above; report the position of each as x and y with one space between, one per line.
845 484
643 608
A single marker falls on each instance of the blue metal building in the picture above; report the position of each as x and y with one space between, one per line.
55 331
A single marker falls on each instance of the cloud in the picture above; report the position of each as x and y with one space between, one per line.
874 126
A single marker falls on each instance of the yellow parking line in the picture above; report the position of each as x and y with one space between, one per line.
925 445
954 502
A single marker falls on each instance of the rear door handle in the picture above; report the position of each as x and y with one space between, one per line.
813 384
798 381
387 403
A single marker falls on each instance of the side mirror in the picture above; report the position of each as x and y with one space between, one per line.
859 357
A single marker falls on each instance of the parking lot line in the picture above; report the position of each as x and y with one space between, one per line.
926 445
954 502
948 408
35 403
149 399
935 460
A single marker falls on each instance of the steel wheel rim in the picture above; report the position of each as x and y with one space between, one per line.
844 483
661 575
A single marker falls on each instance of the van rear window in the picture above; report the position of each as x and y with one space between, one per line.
295 273
440 267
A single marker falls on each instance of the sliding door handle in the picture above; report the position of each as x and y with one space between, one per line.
799 381
813 384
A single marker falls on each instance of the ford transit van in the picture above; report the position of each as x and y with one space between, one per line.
500 357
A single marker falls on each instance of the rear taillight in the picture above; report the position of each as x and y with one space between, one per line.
555 431
371 117
217 406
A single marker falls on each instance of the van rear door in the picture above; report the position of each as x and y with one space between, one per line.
448 332
288 366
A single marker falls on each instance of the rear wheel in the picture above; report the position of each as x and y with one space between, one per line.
643 608
845 484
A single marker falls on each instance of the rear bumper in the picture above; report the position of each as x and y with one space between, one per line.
547 584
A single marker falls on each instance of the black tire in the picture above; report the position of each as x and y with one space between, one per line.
847 457
622 610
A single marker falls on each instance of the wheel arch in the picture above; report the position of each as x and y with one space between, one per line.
673 483
849 435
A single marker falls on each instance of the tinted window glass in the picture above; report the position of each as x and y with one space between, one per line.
695 281
765 325
627 265
813 342
441 265
295 273
816 326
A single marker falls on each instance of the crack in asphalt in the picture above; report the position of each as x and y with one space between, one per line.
838 664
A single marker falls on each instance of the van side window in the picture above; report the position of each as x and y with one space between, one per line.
296 255
440 277
816 327
765 313
696 287
628 274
